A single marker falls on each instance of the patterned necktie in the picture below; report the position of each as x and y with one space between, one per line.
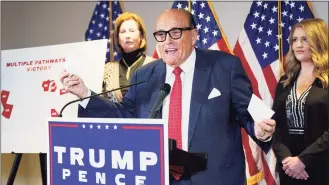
175 109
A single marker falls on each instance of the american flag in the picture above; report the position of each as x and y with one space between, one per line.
261 46
210 34
99 25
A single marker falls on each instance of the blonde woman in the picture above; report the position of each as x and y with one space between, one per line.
130 41
301 105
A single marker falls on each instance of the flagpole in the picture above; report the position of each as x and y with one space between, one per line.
111 32
281 68
122 7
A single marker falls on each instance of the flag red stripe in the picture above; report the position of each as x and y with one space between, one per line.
253 170
223 46
155 54
267 173
239 53
270 79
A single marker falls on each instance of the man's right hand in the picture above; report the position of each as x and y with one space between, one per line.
73 84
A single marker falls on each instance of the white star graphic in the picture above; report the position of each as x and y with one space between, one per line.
107 50
179 6
264 55
258 40
93 21
202 5
256 14
115 53
291 16
107 127
193 2
83 126
282 24
208 18
201 15
259 3
253 26
91 31
301 8
104 37
265 6
267 44
98 126
292 4
276 47
104 6
263 17
215 33
198 26
204 41
186 8
192 12
115 127
289 28
105 28
206 29
269 32
107 18
98 34
274 9
198 38
89 39
100 25
284 13
96 12
260 29
279 36
102 15
98 3
90 126
287 2
299 19
271 20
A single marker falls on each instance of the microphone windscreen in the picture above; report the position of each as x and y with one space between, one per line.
166 88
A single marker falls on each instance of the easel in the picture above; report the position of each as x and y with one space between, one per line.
14 168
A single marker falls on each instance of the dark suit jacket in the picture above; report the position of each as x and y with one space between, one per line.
316 137
214 124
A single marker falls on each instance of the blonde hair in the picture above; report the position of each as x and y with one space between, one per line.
140 24
316 31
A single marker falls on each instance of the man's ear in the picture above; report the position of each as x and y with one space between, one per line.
194 36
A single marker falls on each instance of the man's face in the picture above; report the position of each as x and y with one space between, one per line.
175 51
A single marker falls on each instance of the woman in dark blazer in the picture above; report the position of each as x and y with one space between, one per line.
301 106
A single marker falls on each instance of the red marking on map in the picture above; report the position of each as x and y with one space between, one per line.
62 91
53 113
7 108
49 85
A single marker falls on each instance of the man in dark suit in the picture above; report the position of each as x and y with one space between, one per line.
206 107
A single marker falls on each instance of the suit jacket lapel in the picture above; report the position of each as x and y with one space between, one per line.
202 71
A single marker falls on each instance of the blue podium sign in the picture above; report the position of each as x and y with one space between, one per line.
108 151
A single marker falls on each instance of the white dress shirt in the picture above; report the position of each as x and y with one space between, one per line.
187 80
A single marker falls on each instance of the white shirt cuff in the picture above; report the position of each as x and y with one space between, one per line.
85 102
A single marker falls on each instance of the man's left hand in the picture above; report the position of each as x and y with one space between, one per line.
264 129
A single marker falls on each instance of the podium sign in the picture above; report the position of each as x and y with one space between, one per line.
108 151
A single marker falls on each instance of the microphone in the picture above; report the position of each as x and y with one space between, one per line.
91 96
164 91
